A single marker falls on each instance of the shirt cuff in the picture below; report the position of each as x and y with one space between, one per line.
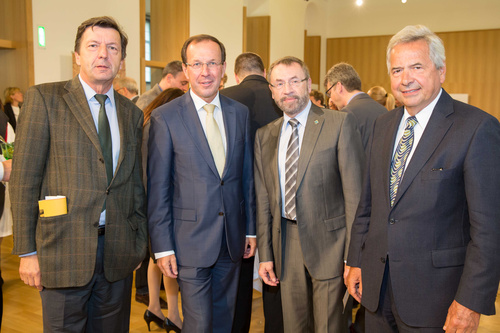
251 236
27 254
163 254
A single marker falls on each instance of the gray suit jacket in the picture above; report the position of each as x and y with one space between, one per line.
190 206
328 189
365 110
58 153
443 234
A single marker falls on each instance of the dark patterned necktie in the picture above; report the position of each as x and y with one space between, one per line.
291 166
105 137
399 161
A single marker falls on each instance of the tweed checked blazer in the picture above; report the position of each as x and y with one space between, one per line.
328 190
58 153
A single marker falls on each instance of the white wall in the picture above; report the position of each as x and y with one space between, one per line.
61 18
224 20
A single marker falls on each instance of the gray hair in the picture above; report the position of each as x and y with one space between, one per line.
288 61
345 74
413 33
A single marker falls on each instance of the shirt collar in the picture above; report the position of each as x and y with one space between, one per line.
90 93
425 114
356 94
199 103
301 117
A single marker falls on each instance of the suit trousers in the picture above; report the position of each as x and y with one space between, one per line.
309 305
99 306
243 308
386 319
209 294
273 312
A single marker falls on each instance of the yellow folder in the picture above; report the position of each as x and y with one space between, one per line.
53 207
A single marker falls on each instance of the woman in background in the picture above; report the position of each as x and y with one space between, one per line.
13 99
173 322
381 96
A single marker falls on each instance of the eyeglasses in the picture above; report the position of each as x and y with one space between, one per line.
327 93
199 65
292 83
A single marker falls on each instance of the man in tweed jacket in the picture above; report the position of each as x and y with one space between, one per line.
82 261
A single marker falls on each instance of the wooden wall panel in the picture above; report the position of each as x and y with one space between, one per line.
312 57
16 45
471 61
169 28
259 37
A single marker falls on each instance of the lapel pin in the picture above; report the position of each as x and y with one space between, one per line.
316 122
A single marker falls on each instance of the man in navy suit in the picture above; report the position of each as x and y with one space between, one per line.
201 190
425 245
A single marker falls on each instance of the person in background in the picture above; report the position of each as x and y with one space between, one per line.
223 82
5 169
381 96
425 250
153 313
13 99
81 140
317 98
127 87
343 86
252 90
201 207
172 77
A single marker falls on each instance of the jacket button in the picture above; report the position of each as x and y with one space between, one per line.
382 260
107 191
101 160
392 221
222 182
221 214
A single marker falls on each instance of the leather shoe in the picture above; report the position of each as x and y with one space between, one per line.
144 299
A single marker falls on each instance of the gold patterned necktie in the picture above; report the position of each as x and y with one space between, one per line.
214 138
400 157
291 166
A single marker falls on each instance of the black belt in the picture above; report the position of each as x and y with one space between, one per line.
101 231
284 219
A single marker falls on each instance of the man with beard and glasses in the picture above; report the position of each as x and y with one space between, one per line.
308 182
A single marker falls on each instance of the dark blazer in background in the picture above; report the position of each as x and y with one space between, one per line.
254 92
442 236
58 153
365 110
10 113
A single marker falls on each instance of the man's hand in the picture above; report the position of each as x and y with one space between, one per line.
168 266
7 168
250 247
29 271
461 319
352 280
266 272
140 264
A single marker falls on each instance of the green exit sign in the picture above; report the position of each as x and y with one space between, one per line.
41 36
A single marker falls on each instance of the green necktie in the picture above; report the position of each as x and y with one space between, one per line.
105 137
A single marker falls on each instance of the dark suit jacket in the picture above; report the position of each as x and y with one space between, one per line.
328 189
190 206
365 110
58 153
254 92
10 113
442 236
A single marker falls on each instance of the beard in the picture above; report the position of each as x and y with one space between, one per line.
293 108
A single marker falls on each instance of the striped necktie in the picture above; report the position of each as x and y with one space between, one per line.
214 139
400 157
291 166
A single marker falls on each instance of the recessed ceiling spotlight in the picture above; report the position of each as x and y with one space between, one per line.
359 2
403 1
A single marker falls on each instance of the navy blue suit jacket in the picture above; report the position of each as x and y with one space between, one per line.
190 206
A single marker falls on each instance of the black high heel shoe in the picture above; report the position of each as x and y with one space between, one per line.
151 317
170 326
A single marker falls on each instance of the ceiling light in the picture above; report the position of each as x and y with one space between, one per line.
359 2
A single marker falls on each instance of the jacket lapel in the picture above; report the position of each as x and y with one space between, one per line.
274 141
191 120
434 132
77 103
388 147
124 121
229 117
315 121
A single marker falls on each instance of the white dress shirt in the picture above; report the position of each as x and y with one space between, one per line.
286 132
